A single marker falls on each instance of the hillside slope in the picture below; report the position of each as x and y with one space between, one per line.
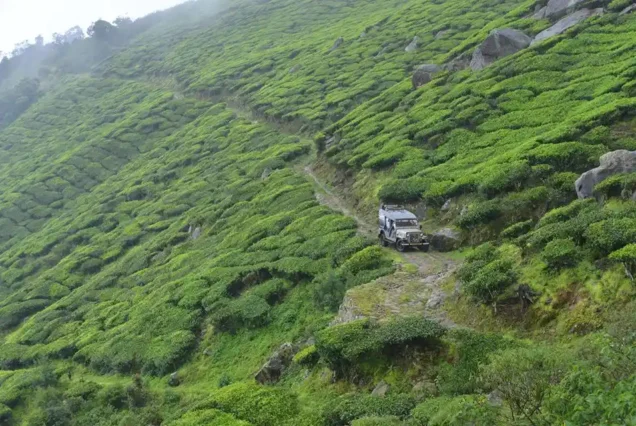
166 258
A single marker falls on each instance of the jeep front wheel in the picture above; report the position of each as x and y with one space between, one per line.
399 245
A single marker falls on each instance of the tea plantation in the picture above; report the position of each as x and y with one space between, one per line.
166 260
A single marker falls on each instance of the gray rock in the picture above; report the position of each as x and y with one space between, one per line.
424 74
612 163
446 239
381 389
174 380
273 369
294 69
459 63
558 8
500 43
541 13
441 34
447 205
412 47
196 233
628 9
565 23
363 34
495 399
266 172
337 44
436 300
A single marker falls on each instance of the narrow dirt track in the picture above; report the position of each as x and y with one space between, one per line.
432 268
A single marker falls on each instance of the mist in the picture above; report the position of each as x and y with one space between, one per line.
22 20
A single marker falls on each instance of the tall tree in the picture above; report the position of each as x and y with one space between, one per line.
101 30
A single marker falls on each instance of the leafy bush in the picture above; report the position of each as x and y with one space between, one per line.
561 253
627 256
262 406
308 356
343 345
209 417
517 229
491 281
378 421
468 351
352 407
5 414
457 411
525 377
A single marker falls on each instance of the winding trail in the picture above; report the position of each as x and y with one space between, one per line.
413 290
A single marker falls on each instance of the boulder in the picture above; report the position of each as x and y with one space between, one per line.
441 34
540 13
459 63
447 205
500 43
628 9
436 300
413 45
337 44
424 74
381 389
174 380
446 239
273 369
294 69
612 163
567 22
558 8
196 233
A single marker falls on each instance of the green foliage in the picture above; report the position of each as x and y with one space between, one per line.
525 377
469 350
457 411
378 421
351 407
488 273
343 345
258 405
208 418
561 253
308 356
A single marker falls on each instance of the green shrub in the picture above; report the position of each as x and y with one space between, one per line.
328 290
518 229
561 253
343 345
208 418
627 256
468 351
262 406
609 235
457 411
491 281
525 377
378 421
307 357
479 214
5 414
351 407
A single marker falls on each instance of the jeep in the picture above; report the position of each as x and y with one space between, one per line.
400 227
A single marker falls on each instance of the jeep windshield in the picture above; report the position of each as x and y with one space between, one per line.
406 223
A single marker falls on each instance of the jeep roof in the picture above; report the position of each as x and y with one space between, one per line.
397 212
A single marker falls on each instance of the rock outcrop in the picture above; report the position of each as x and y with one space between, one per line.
500 43
424 74
381 389
567 22
446 239
412 47
337 44
558 8
628 9
612 163
174 380
273 369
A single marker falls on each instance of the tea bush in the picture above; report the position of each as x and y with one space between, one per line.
351 407
559 254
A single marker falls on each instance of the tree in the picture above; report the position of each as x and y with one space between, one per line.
122 21
73 34
39 41
101 30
